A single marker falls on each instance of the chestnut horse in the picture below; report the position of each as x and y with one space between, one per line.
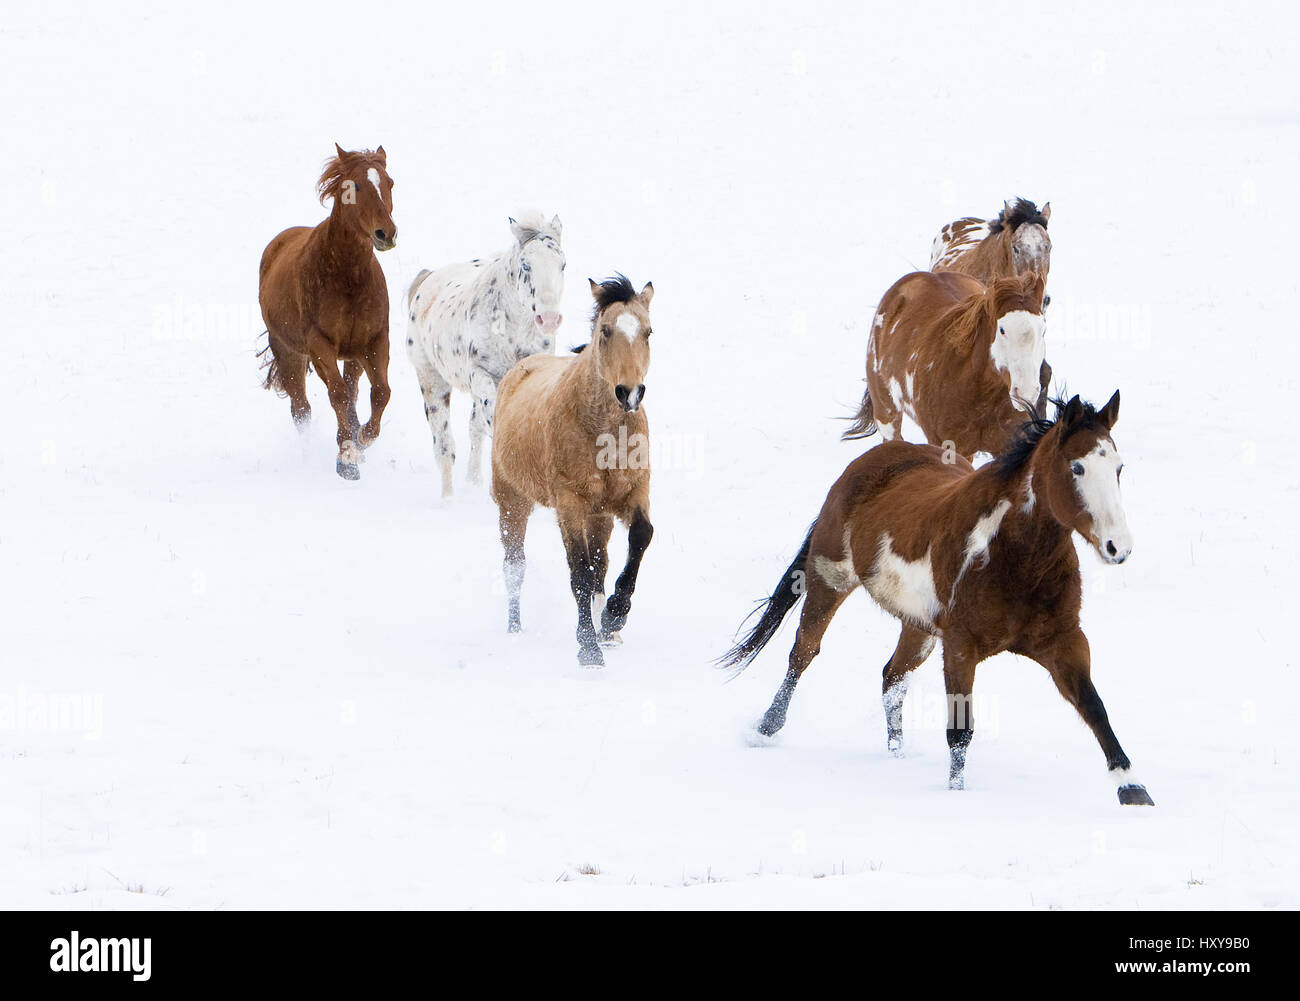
324 299
571 435
983 560
961 359
1012 244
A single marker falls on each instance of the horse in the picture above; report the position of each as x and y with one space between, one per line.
983 560
960 358
470 322
324 299
1012 244
571 435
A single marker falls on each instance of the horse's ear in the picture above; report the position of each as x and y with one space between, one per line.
647 293
595 289
1047 211
1008 207
383 157
1110 412
340 151
517 230
1073 410
557 227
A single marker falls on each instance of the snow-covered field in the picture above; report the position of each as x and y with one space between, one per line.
232 680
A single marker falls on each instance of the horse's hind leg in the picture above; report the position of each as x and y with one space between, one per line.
483 391
513 509
1069 662
914 645
437 411
820 606
572 516
289 375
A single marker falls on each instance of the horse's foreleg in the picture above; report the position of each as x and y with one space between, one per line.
582 579
1069 661
959 663
376 365
483 391
819 608
613 617
437 411
599 529
352 379
914 646
327 367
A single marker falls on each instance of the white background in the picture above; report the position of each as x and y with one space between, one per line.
300 692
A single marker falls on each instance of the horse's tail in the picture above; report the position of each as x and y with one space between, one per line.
789 589
271 365
864 421
410 292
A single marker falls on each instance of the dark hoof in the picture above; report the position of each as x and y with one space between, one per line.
347 470
590 656
769 726
613 617
1135 796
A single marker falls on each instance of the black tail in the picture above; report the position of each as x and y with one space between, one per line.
864 421
789 589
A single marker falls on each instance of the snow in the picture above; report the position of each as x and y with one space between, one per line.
232 680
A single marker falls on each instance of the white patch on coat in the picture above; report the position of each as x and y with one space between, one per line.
978 540
1018 349
896 394
372 174
903 587
628 324
1098 490
839 575
1030 498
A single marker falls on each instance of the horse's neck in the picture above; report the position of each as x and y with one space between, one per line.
499 286
1030 538
336 249
994 256
596 408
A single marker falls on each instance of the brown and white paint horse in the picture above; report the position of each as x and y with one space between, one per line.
571 435
1012 244
983 560
324 300
961 359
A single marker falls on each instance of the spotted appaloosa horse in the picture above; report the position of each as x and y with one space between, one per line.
571 435
470 322
324 300
1012 244
961 359
983 560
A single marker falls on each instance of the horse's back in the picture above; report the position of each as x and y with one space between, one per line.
955 241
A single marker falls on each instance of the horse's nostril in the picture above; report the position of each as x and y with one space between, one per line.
1110 548
380 236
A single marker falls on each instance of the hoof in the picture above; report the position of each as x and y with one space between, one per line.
348 470
591 657
957 782
513 626
610 640
754 737
1135 796
895 745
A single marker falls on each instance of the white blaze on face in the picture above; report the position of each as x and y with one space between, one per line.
1098 488
1019 347
627 323
372 174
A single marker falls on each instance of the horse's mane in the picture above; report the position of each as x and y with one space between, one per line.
334 173
610 291
1023 211
1017 454
965 320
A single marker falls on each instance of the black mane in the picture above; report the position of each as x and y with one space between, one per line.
610 291
1023 211
1016 455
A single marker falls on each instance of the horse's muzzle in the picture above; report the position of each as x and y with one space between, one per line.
629 399
383 240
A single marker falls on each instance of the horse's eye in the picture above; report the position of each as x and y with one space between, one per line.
1076 468
1002 330
563 265
648 331
606 330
